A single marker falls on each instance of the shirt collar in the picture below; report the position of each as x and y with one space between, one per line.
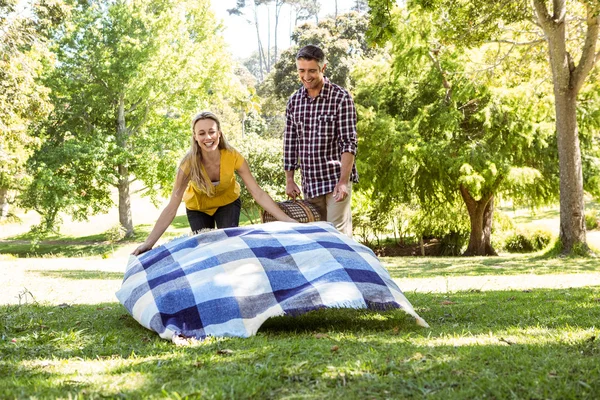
325 90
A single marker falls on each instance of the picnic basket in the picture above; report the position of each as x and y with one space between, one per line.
301 210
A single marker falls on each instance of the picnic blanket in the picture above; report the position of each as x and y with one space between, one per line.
227 282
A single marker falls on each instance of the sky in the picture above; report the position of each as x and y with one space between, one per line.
240 35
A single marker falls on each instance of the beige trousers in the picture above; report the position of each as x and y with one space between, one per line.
338 213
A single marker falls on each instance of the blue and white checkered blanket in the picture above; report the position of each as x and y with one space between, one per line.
227 282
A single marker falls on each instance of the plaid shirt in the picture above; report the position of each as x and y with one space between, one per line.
317 132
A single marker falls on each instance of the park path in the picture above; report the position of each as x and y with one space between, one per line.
91 281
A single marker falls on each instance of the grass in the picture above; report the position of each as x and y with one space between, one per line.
541 343
510 264
97 245
503 344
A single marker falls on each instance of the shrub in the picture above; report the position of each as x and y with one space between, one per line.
592 220
527 240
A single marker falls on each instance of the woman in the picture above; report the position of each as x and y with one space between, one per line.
206 183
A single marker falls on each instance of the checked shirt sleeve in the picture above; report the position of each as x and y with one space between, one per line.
290 141
347 125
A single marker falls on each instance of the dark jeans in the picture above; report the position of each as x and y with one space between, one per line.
225 217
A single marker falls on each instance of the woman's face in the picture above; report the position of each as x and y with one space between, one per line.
207 134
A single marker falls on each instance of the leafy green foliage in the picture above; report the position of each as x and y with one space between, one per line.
264 159
342 40
592 220
527 240
430 125
23 100
128 77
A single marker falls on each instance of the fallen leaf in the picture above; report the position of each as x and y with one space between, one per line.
320 336
447 302
334 348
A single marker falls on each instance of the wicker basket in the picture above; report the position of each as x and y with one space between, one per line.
300 210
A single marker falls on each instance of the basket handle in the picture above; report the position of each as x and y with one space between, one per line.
309 214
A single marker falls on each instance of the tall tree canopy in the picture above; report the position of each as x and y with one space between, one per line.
570 33
23 52
434 133
343 41
128 76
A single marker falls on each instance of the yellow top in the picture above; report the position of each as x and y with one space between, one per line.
225 192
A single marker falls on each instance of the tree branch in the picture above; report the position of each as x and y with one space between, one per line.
532 42
560 11
542 12
433 55
588 58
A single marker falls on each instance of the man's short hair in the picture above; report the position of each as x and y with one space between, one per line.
312 52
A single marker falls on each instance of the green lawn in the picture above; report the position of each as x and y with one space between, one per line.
498 344
504 344
509 264
99 245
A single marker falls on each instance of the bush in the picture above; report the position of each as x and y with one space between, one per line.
592 220
527 240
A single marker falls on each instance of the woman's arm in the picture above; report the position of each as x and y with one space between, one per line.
262 198
167 215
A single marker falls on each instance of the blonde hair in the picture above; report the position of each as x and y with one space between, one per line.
194 155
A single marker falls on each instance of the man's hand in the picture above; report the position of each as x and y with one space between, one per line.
292 190
340 192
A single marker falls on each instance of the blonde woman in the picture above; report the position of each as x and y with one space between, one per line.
206 183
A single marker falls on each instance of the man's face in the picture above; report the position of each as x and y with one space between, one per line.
310 73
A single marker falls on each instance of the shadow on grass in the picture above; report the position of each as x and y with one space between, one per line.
77 274
360 354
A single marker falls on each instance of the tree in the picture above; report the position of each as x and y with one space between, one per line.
342 40
266 61
433 133
570 32
23 100
128 76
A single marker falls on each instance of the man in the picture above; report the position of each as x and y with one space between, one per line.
320 139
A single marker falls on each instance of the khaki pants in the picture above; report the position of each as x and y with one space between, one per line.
338 213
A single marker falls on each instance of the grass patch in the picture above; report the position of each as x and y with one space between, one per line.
98 245
77 274
504 344
512 264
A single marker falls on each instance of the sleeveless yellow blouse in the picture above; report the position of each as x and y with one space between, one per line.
225 192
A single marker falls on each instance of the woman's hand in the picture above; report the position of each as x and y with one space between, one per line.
142 248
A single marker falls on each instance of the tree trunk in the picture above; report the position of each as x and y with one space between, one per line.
572 215
488 218
123 171
568 79
3 203
125 201
481 213
261 54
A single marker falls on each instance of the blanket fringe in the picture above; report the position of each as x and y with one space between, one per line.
421 322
